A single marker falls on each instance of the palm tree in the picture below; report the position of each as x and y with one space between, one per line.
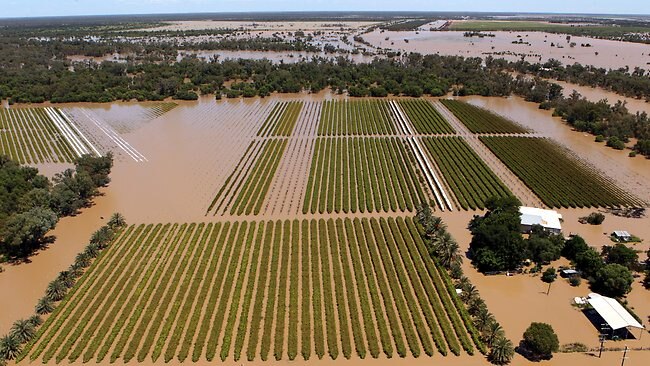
446 250
9 347
56 290
502 351
92 250
82 259
66 278
492 332
469 294
463 283
117 220
483 319
44 306
22 330
475 305
102 237
35 320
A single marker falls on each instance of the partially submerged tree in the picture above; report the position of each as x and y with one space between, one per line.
541 341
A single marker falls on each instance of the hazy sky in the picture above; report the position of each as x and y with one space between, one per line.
22 8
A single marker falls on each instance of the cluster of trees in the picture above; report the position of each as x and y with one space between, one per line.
608 272
24 330
497 245
445 250
30 204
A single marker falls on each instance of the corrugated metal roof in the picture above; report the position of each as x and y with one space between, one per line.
613 312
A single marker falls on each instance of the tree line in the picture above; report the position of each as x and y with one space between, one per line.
31 204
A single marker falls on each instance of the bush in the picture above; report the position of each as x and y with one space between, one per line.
600 138
575 281
632 154
615 143
541 341
594 218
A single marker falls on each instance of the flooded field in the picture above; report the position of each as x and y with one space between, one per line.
532 46
192 149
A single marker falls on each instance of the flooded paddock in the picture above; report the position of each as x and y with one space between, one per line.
192 149
535 47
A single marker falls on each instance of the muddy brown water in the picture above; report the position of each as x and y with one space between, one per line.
193 148
610 54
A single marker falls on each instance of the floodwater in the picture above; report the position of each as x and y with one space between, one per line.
192 149
536 47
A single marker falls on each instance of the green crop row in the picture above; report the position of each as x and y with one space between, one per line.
213 289
469 177
282 119
425 118
251 197
363 117
479 120
28 135
559 179
361 174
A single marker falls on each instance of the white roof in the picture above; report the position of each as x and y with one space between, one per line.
613 312
536 216
621 233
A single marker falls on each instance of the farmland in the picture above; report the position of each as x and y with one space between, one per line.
360 117
282 119
469 177
559 179
245 189
479 120
39 135
257 290
425 118
362 175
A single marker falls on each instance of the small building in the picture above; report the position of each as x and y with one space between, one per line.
621 235
618 319
548 219
568 273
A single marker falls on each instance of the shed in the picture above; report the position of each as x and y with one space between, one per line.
622 235
566 273
548 219
614 314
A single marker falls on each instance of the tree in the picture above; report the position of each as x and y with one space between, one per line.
502 351
492 332
621 254
497 244
44 306
589 261
24 232
613 280
576 244
22 330
9 347
117 221
541 341
36 320
549 277
56 290
595 218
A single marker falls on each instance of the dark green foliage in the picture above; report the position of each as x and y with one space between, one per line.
549 275
594 218
541 341
621 254
576 244
589 261
497 244
502 351
30 204
9 347
22 330
44 306
613 280
544 247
